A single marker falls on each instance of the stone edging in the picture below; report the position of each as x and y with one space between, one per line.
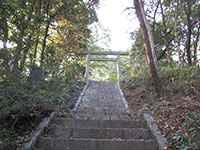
39 130
123 98
151 123
80 97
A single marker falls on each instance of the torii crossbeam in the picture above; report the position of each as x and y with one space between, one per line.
103 53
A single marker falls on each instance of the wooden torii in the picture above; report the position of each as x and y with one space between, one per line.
88 55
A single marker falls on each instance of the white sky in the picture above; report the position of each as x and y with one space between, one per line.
113 16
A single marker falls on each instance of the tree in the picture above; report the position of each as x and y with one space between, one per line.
180 28
41 33
149 45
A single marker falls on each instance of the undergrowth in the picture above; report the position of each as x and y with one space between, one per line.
188 135
178 110
22 107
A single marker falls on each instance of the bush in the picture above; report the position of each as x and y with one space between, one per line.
22 107
20 97
180 72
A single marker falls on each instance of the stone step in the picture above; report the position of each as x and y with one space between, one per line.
93 124
126 133
112 144
108 115
104 133
58 131
50 143
95 144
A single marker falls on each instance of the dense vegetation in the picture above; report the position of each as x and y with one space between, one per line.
37 75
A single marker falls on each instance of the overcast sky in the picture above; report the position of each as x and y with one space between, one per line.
113 16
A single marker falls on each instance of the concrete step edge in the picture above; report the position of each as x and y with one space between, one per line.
101 123
128 133
111 140
54 125
93 139
92 144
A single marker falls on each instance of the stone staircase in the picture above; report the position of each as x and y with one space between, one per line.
71 133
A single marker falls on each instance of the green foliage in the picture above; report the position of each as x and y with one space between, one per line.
8 136
188 138
42 33
177 72
140 72
173 76
39 34
137 51
21 100
36 71
103 71
175 24
20 97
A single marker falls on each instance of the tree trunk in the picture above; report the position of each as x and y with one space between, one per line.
33 58
196 45
189 34
149 45
166 32
45 35
25 52
154 15
44 43
17 55
28 44
5 32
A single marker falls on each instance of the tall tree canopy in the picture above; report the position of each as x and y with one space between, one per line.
176 29
40 33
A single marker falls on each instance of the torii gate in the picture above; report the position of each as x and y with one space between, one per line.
88 55
104 53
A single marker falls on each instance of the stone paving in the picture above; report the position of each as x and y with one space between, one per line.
102 100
